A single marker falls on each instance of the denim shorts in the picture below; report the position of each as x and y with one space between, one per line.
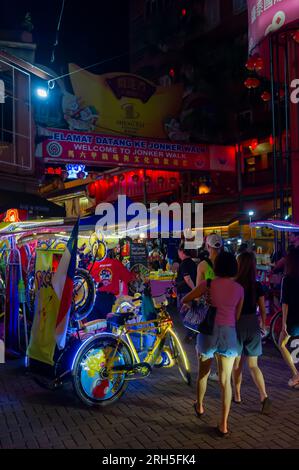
223 341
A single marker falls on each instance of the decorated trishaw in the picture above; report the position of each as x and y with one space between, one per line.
101 356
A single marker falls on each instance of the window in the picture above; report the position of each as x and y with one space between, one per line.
6 108
15 119
239 6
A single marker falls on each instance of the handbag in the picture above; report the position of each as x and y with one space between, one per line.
198 312
195 315
206 327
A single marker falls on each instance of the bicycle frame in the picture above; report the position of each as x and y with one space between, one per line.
150 327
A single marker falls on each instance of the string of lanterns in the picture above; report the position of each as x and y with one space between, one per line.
255 64
136 179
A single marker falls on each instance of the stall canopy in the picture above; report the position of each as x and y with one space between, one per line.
173 225
30 202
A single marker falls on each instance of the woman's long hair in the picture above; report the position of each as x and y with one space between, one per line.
247 274
292 263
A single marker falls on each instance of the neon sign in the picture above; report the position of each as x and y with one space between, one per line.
76 171
72 171
12 215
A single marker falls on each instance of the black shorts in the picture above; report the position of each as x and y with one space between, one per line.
249 336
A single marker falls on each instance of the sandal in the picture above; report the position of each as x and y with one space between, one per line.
294 381
198 414
266 406
237 402
220 433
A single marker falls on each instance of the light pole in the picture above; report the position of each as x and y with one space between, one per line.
251 214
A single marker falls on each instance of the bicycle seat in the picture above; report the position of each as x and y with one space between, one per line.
119 319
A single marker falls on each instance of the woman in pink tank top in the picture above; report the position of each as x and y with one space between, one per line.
227 296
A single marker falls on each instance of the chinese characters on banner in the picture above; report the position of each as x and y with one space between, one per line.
63 146
268 16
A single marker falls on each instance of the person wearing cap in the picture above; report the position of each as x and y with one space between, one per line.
205 268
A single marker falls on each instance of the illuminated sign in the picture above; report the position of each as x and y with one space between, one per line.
76 171
12 215
72 171
269 16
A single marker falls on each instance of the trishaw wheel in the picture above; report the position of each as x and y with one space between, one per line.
93 381
275 328
84 293
180 357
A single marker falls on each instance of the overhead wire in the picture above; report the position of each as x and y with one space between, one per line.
57 31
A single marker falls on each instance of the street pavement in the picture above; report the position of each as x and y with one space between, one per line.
154 413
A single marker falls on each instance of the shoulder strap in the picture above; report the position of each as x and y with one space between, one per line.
208 296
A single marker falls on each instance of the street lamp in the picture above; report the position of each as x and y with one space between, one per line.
251 214
42 92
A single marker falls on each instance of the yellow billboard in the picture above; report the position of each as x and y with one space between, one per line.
119 103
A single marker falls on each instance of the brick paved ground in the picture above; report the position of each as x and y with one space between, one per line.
153 413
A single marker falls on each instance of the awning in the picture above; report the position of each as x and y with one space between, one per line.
30 202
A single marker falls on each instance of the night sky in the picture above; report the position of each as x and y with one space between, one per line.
91 31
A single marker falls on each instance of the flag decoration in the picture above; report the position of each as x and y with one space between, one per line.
63 283
42 338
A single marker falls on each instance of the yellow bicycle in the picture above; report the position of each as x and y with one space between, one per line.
106 362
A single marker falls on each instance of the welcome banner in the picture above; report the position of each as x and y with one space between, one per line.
63 146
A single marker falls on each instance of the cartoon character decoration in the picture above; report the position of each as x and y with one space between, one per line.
173 130
78 116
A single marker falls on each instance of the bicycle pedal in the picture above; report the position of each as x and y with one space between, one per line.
139 371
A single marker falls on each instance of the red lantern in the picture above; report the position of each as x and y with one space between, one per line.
252 82
91 190
266 96
255 82
184 12
254 144
296 36
135 179
258 64
172 73
250 64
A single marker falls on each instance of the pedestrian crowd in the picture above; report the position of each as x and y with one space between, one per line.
229 285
